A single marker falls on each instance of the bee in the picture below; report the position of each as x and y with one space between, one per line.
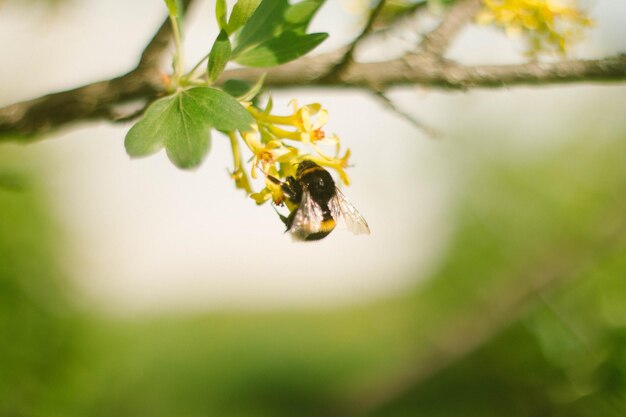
319 206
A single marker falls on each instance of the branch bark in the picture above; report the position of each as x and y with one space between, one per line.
436 42
425 67
417 69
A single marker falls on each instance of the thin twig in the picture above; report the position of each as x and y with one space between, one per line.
418 124
348 57
399 19
436 42
153 52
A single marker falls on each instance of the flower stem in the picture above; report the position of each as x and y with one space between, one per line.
179 61
195 67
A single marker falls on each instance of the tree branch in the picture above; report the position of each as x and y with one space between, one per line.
92 101
425 67
416 123
411 70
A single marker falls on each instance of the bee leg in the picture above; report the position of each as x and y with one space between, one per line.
290 187
293 191
274 180
283 219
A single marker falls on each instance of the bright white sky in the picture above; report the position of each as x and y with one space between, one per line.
144 236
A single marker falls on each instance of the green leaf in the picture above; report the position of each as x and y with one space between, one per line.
262 25
219 56
148 135
236 88
221 11
220 109
254 90
242 10
172 7
298 16
269 106
284 48
172 123
182 123
274 18
190 145
243 90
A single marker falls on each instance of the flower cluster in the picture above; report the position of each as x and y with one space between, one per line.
549 25
279 143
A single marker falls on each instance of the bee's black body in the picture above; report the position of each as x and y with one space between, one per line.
319 204
320 185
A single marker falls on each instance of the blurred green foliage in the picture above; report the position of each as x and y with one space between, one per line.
525 316
36 324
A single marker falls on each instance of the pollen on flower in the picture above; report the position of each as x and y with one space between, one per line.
266 157
317 134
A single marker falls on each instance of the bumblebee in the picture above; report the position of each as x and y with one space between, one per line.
319 206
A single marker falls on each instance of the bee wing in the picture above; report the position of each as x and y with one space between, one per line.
347 215
308 218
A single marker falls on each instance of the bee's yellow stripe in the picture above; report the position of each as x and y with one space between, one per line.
327 225
312 169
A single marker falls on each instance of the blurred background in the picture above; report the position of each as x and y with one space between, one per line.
493 281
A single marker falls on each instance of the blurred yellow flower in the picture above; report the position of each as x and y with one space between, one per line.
548 25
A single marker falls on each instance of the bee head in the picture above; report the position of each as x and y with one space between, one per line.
303 166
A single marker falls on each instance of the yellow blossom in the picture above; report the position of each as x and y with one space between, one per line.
267 154
338 164
238 174
276 158
272 191
547 24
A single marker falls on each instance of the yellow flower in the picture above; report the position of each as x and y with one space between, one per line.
278 160
272 191
307 130
547 24
262 196
311 132
267 154
338 164
294 119
241 180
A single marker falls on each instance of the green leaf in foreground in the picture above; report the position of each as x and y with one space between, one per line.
274 18
220 109
299 15
243 90
263 25
219 56
182 124
254 90
284 48
242 11
221 10
172 7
